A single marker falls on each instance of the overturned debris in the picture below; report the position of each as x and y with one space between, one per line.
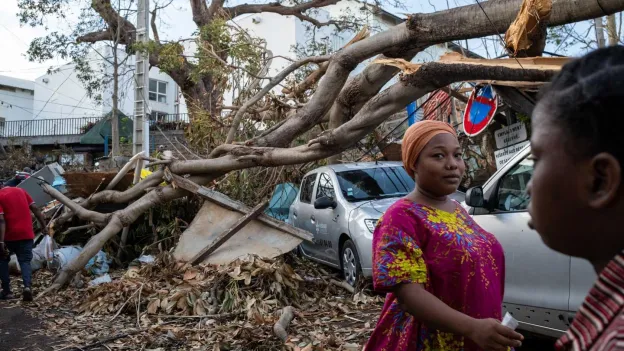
260 234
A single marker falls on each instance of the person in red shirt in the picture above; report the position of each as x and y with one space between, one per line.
16 236
577 188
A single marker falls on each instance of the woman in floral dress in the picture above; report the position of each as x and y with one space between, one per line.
443 273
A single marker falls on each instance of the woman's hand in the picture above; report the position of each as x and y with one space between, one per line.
491 335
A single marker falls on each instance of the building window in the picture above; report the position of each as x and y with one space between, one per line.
158 91
7 88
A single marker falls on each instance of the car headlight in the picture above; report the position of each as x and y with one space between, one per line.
370 224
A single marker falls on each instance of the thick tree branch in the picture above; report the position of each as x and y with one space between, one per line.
275 7
117 197
78 210
115 23
200 12
274 81
420 31
429 77
94 37
117 221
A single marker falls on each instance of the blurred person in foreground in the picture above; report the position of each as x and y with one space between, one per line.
443 273
16 236
577 188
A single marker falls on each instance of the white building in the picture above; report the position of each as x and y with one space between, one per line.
61 94
16 100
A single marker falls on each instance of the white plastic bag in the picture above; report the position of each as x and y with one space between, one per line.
49 249
510 322
101 280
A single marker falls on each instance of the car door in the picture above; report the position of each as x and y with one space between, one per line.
537 279
304 213
327 228
582 278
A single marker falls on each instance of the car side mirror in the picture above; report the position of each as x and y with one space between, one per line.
474 197
325 202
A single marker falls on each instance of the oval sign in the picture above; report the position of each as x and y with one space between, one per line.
480 110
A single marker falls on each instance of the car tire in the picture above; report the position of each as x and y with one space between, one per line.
350 263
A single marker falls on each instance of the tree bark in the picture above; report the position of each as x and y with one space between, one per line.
612 31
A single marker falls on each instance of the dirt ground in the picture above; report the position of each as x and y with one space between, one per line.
19 330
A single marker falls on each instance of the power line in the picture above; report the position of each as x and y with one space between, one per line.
31 111
50 103
497 32
15 35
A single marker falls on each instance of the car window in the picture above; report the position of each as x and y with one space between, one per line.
325 187
307 187
374 183
512 189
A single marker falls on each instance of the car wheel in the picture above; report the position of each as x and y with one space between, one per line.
350 261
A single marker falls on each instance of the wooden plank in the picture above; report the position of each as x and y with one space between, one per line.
223 200
224 236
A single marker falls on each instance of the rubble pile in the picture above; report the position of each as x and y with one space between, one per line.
240 306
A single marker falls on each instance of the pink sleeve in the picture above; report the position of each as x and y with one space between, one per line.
397 250
1 210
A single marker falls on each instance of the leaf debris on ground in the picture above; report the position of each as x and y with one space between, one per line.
168 305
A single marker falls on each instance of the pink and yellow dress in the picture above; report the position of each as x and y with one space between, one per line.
451 256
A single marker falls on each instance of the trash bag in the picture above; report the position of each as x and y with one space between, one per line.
63 256
98 264
43 253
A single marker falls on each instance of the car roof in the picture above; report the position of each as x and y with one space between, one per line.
358 165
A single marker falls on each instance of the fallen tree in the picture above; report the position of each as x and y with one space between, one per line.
357 101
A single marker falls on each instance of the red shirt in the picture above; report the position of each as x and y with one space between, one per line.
15 206
599 323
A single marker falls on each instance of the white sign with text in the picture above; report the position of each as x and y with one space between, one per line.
504 155
510 135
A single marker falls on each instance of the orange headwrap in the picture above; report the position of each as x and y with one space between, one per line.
416 137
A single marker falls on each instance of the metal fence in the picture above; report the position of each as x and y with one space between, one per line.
47 127
78 126
168 121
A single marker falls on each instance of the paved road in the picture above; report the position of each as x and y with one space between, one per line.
18 330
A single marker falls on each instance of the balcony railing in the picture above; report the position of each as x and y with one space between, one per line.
47 127
169 122
78 126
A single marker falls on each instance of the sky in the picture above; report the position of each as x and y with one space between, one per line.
175 23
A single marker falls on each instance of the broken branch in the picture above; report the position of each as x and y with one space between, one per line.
288 313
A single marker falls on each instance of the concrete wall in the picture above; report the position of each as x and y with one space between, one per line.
16 99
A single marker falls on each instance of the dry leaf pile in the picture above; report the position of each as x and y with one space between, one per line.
234 307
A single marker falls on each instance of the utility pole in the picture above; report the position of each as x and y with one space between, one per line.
140 135
600 38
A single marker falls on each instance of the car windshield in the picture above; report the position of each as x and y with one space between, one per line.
374 183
